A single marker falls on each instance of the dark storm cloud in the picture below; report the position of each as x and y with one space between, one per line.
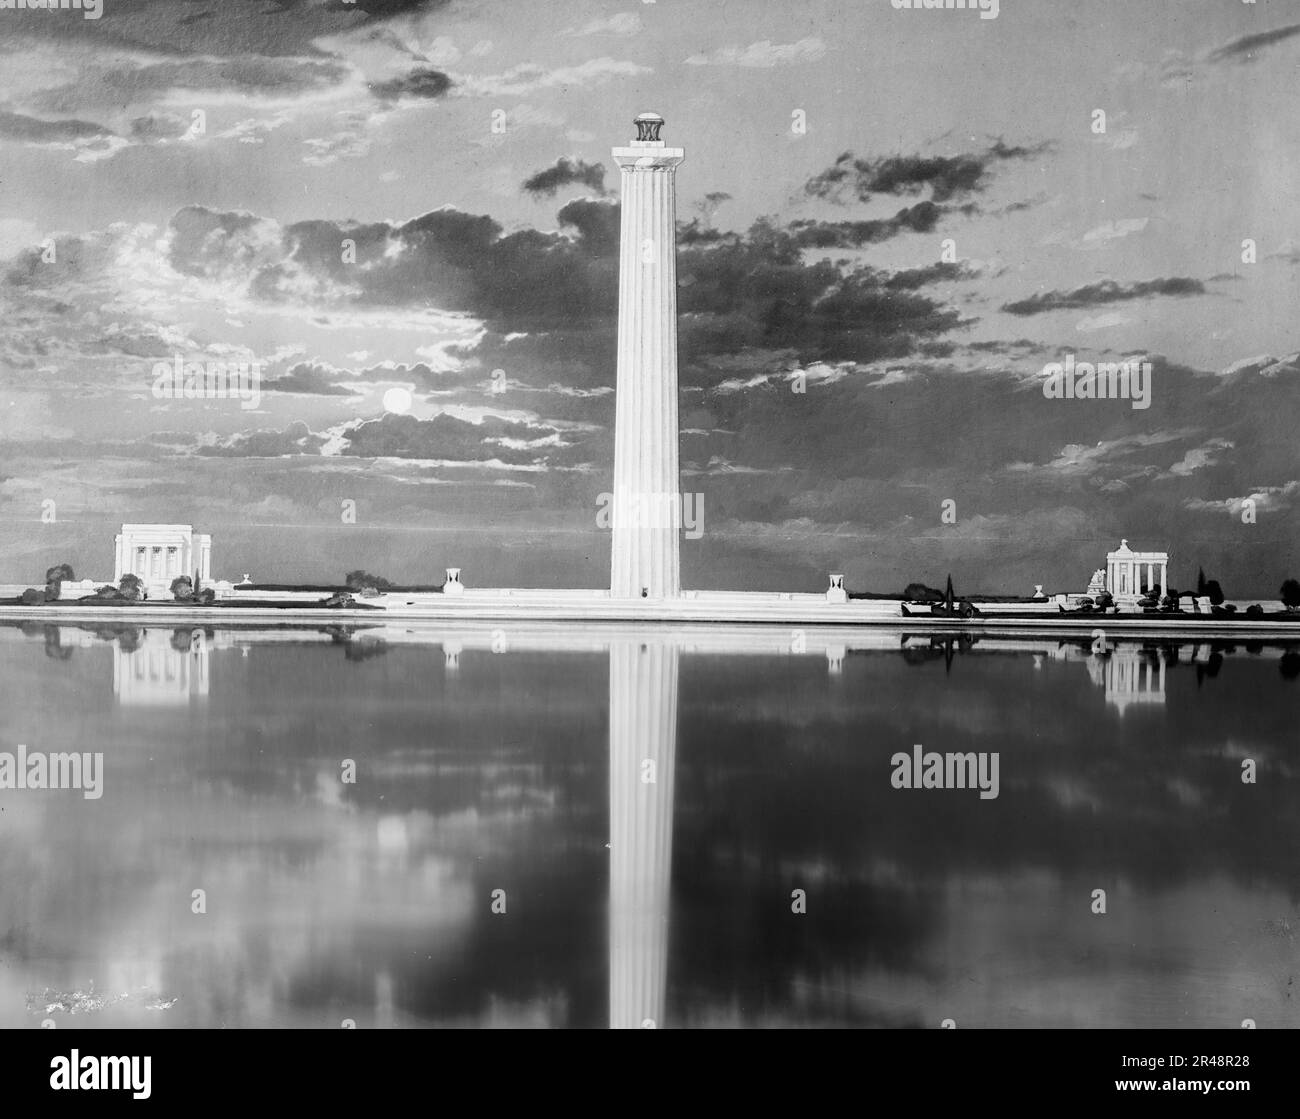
296 439
910 279
858 452
463 262
1107 291
445 437
269 28
207 242
1247 47
384 9
316 379
596 222
305 378
77 258
25 129
140 84
947 176
737 291
159 126
566 172
921 218
756 291
424 84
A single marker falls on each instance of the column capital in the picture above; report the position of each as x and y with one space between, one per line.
644 157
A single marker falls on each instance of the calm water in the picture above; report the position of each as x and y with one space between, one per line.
648 801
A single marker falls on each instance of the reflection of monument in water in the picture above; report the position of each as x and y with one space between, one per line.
1134 677
165 668
642 761
1130 676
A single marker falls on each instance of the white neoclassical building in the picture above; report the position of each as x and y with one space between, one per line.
1131 574
159 553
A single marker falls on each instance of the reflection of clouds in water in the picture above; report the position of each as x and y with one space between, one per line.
1030 954
294 896
371 901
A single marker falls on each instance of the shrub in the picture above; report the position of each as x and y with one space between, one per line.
33 597
1290 594
1254 610
182 588
919 592
359 580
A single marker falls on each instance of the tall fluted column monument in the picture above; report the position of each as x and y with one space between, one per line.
647 504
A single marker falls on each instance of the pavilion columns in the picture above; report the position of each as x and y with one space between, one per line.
1129 573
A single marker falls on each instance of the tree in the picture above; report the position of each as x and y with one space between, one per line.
132 587
359 580
55 577
32 597
183 588
1291 594
919 592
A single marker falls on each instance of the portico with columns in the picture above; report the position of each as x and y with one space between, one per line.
157 554
1131 574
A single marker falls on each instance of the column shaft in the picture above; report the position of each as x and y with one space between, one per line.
647 503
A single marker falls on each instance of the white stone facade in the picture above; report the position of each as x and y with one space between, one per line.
1130 574
645 561
160 553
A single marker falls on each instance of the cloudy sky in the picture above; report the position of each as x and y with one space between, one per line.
907 213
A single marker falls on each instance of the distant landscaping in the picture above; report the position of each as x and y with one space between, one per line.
361 584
